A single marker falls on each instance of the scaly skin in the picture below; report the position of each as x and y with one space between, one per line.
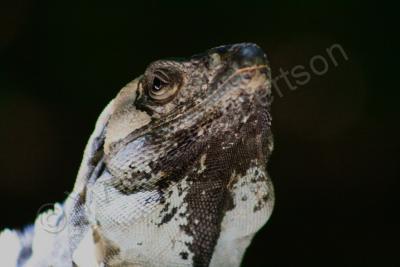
175 171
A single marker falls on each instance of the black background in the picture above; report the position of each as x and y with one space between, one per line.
335 165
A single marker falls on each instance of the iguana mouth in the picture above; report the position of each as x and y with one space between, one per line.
188 125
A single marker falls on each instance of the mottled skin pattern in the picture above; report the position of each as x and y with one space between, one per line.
175 172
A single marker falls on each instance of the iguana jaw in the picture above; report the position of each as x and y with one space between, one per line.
234 79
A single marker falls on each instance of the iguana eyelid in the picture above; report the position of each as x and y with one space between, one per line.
172 81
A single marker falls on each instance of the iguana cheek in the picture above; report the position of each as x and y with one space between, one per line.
125 118
122 124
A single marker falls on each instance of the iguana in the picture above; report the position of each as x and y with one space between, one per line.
174 173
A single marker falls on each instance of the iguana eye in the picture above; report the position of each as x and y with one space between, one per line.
158 84
163 86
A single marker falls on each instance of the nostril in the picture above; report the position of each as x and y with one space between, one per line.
249 55
251 51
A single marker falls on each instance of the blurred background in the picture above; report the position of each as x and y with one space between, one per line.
336 160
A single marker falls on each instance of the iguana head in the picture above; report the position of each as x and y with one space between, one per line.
174 174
